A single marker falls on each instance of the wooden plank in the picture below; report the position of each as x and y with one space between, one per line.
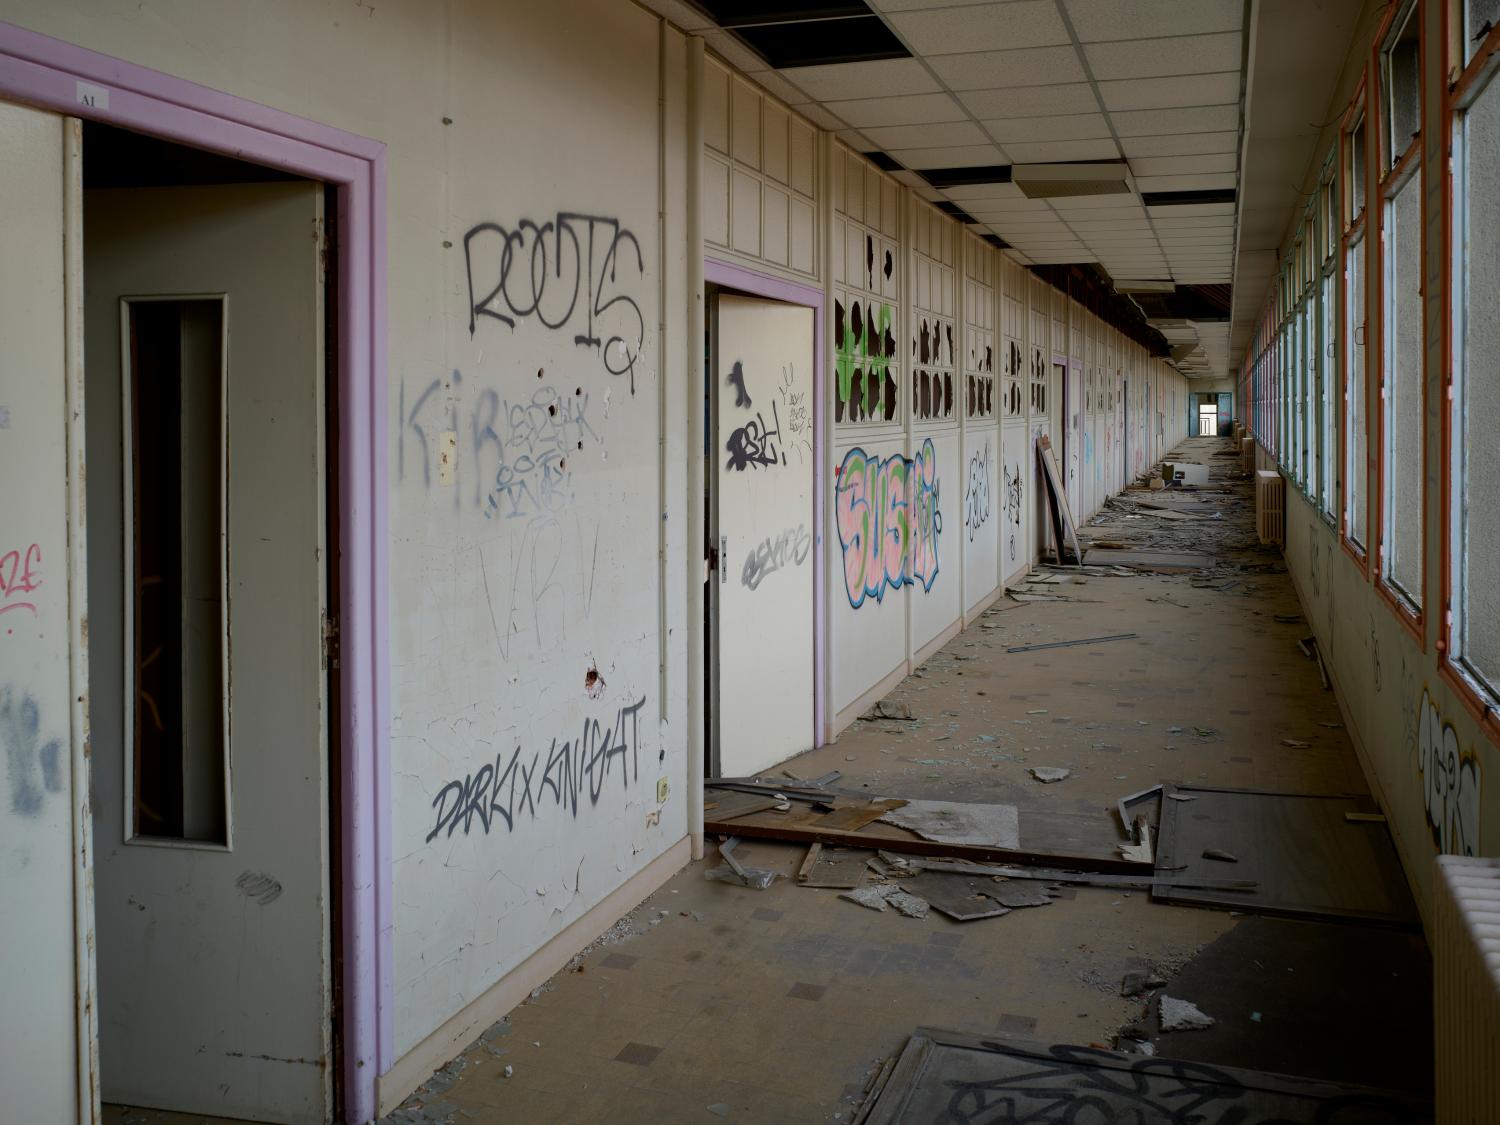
805 829
854 817
1309 861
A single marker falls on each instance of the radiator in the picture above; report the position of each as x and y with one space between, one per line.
1247 455
1270 507
1466 989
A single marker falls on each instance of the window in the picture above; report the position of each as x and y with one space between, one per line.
1401 465
1328 221
1474 454
175 569
1357 454
1401 369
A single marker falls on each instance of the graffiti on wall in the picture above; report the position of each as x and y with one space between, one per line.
33 765
19 577
788 549
1014 488
798 413
571 775
756 445
1450 783
516 451
864 349
889 521
736 379
571 271
539 579
977 490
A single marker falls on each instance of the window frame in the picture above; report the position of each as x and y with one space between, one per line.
1354 229
1393 173
1475 71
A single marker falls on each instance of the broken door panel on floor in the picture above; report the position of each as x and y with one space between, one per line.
205 320
764 475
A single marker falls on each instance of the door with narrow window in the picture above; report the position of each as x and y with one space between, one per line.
205 352
764 453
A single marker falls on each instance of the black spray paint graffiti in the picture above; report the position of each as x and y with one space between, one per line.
736 379
977 490
1079 1084
31 765
790 548
503 790
754 444
1013 492
542 271
1450 783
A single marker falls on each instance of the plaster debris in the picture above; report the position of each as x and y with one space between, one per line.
1220 854
909 905
1296 743
872 898
509 1070
957 822
1049 774
1137 982
1183 1015
889 709
719 1109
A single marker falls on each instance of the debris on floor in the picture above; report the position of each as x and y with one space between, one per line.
955 822
732 871
1049 774
1183 1015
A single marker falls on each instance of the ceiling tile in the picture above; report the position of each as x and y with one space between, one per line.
920 5
1183 165
855 140
1116 202
913 109
820 116
1193 119
1037 101
1181 144
950 133
776 86
948 156
1051 152
1164 93
989 70
1211 182
1096 20
1154 58
1106 216
881 78
987 27
1065 127
988 194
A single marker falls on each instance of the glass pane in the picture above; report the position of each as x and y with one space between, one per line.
175 482
1356 170
1403 409
1327 367
1479 17
1480 452
1354 332
1403 93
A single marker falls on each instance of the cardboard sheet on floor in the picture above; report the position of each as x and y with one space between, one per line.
958 896
1308 859
946 1076
958 822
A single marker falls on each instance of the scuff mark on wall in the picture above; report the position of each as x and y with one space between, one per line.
32 767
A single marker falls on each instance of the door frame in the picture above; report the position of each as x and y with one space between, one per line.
757 284
51 74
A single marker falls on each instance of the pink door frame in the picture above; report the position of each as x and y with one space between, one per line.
50 74
778 289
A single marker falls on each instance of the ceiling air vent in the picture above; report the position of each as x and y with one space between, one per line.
1057 181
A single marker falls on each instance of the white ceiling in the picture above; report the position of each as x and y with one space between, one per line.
1157 83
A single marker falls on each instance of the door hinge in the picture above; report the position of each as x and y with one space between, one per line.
330 641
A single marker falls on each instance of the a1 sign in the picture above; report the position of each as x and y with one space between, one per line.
95 97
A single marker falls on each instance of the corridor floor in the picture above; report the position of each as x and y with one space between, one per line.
718 1002
722 1002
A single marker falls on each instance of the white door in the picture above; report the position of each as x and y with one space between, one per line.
204 321
44 971
764 450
